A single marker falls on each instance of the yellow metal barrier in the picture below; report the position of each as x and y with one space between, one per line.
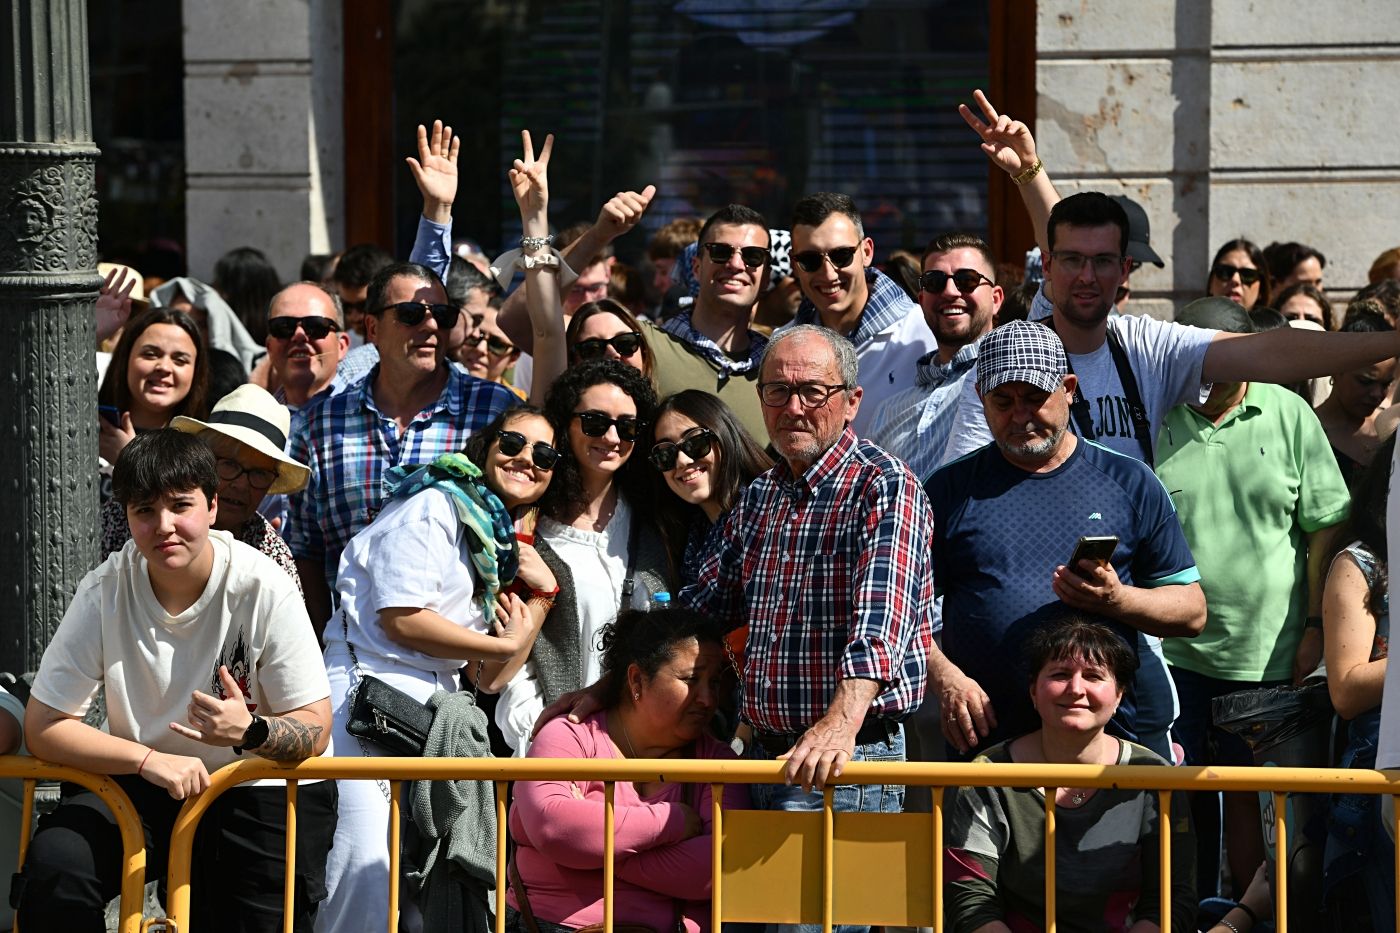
783 867
32 770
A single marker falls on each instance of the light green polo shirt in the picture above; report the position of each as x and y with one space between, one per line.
1248 491
679 366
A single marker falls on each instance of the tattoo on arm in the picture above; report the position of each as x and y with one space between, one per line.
288 739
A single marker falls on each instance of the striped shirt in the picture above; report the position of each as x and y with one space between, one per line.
831 572
348 444
914 424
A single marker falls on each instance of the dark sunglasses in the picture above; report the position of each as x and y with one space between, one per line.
494 345
316 327
542 455
753 256
810 260
411 313
596 348
230 470
694 446
596 424
1225 273
964 280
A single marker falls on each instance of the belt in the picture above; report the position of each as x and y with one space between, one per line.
871 731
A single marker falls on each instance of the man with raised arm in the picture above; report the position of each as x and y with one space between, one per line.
204 650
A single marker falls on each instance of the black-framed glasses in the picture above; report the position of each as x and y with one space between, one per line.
810 260
494 345
315 326
230 470
595 348
412 313
1224 272
543 456
596 424
1074 263
810 394
752 256
694 446
964 280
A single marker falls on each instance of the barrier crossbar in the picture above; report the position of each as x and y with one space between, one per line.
755 842
32 770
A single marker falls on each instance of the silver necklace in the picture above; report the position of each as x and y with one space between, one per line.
631 752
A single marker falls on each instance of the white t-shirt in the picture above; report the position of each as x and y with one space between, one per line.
116 634
1165 358
414 554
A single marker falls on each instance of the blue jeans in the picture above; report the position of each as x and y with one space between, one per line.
845 798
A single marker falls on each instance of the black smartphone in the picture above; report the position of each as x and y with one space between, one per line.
1098 549
110 414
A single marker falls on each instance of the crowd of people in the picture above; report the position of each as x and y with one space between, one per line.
799 506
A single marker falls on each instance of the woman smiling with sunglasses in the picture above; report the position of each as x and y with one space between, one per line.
604 329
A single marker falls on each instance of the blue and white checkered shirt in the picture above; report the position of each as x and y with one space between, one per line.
348 444
914 424
885 305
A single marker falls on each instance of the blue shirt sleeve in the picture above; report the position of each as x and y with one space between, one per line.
432 246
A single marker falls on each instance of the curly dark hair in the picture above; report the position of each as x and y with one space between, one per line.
649 640
566 492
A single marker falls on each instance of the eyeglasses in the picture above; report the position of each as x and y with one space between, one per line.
542 455
1074 263
596 424
964 280
1224 273
752 256
810 394
694 446
597 347
411 313
810 260
230 470
316 327
494 345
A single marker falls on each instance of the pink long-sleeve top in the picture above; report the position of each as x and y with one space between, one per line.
558 830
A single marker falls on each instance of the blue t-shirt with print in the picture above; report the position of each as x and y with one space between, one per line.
1001 531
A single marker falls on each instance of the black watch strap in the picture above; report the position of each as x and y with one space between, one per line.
255 736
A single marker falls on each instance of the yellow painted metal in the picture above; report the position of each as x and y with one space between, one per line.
1280 863
289 888
1050 859
608 867
395 789
828 856
763 853
936 830
1164 832
716 857
883 861
502 827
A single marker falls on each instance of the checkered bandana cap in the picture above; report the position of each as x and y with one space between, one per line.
1021 351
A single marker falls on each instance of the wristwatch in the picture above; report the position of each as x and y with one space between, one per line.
254 736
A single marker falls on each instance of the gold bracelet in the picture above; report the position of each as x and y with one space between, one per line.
1028 174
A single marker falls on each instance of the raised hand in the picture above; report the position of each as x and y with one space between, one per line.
1006 142
623 210
114 303
435 170
529 177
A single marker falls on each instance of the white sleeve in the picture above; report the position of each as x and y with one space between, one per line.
1167 360
291 671
71 670
969 431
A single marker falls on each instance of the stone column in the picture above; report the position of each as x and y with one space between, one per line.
48 282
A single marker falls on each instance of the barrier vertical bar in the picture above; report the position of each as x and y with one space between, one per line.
1280 862
608 866
26 830
716 859
502 828
828 856
1050 859
395 788
1164 830
289 887
936 821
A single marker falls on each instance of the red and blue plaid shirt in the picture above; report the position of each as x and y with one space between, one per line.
832 573
348 444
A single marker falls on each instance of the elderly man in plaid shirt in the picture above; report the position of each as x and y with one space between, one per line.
826 559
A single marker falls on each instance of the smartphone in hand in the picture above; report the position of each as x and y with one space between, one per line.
110 414
1098 549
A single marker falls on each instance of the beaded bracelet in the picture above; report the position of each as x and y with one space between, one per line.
533 243
1229 926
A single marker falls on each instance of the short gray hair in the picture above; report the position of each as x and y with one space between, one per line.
842 350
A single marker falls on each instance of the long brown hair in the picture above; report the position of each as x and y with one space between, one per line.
619 311
116 389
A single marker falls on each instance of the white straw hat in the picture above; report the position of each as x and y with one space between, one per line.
250 415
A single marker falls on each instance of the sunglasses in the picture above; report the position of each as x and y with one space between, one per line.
316 327
494 345
753 256
810 260
596 348
694 446
1225 273
230 470
964 280
596 424
411 313
542 455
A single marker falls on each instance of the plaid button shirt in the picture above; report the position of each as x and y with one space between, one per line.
832 573
348 444
886 304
